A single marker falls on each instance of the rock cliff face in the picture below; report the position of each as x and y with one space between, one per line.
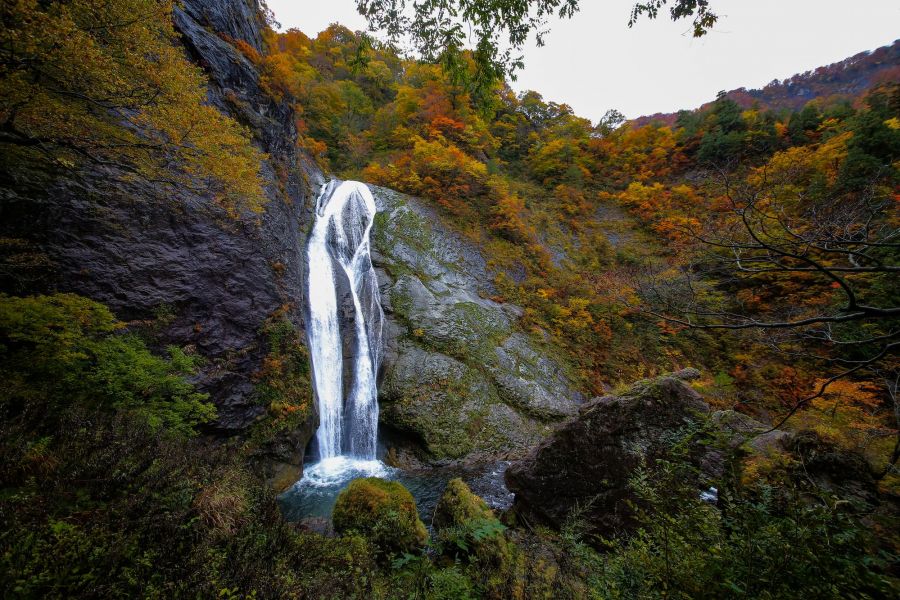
238 19
205 281
457 375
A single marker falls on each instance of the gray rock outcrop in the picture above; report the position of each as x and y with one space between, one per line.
458 377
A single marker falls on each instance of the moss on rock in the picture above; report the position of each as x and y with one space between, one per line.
459 506
382 511
283 386
451 408
471 535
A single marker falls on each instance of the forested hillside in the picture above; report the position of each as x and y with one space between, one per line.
843 80
677 336
576 216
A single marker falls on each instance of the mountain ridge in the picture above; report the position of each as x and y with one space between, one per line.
848 78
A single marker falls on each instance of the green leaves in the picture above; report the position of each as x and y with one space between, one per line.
63 350
703 17
495 30
687 548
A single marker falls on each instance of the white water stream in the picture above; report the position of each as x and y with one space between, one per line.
343 290
344 328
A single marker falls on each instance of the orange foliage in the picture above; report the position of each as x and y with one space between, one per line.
528 179
508 221
440 171
442 126
853 415
247 50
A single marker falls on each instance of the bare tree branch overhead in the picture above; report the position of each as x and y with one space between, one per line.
838 242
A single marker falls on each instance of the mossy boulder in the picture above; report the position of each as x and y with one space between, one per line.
382 511
460 506
469 533
588 463
467 528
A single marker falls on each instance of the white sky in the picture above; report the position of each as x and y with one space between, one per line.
595 62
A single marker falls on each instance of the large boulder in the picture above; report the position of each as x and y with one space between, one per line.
382 511
588 463
742 430
458 377
822 466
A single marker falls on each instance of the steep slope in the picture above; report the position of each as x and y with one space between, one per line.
459 377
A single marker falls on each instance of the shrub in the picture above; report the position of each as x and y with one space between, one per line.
283 381
459 506
687 548
468 531
449 584
62 350
108 507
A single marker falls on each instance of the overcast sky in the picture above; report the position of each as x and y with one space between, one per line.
595 62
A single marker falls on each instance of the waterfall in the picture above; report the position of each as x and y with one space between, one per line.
340 268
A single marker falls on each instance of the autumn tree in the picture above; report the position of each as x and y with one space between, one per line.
804 251
105 83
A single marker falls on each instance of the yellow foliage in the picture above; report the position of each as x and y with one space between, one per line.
852 415
795 166
438 170
104 82
509 219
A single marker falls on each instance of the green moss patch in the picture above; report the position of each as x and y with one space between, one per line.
383 512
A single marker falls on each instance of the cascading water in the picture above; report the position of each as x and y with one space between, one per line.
343 291
340 267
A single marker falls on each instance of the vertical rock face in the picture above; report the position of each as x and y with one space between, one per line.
204 279
238 19
457 377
